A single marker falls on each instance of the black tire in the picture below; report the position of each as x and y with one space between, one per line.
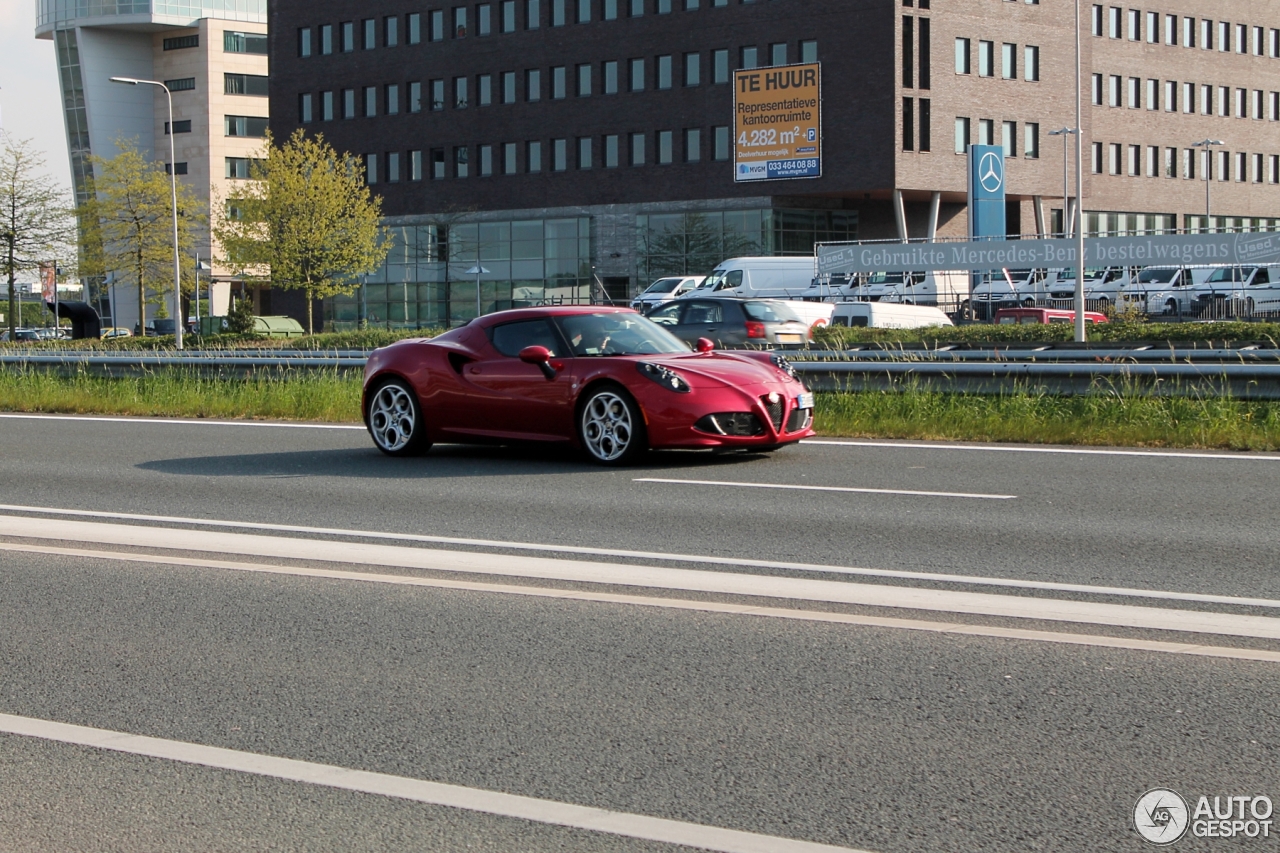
394 418
610 426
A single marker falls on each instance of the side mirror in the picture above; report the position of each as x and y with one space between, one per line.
705 345
540 356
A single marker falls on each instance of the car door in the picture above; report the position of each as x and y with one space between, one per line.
511 399
703 318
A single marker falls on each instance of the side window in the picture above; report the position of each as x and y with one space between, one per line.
667 315
702 313
510 338
732 279
1261 276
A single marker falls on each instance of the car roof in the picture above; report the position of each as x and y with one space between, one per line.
499 317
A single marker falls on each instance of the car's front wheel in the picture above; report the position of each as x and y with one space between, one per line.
395 420
611 427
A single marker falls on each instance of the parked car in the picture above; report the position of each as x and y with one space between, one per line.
116 332
161 326
888 315
664 290
732 322
606 379
1037 316
20 335
1164 290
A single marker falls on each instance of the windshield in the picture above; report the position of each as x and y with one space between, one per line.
618 334
1163 276
1226 274
720 279
770 312
664 285
885 278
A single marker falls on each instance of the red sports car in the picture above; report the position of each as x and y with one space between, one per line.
605 378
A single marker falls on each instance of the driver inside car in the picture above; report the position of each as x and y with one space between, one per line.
588 336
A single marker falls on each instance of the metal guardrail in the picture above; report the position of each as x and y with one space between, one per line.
1249 373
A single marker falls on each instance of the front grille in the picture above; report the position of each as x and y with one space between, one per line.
730 423
774 409
799 420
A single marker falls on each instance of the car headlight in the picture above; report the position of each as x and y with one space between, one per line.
784 364
664 376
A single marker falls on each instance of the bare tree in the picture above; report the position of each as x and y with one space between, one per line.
35 222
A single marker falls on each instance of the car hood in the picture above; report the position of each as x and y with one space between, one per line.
703 370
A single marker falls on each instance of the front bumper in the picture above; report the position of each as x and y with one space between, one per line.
759 416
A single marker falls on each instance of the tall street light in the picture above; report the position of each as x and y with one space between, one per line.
1207 145
173 189
1079 224
1064 132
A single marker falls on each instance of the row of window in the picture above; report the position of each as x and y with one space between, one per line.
1172 96
455 22
1160 28
1155 161
1009 56
1009 138
562 81
232 42
251 126
611 151
232 84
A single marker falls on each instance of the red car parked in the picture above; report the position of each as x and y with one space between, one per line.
606 379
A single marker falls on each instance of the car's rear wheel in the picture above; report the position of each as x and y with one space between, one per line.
611 427
395 420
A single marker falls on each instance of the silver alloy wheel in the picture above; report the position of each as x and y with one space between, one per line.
606 426
391 417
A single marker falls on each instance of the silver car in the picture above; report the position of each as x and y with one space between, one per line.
732 322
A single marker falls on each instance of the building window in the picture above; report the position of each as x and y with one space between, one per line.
254 43
559 155
962 135
584 11
508 87
484 90
611 145
1097 90
584 80
1114 163
1171 162
415 165
1206 100
508 16
254 127
908 124
923 128
370 101
237 168
1097 158
666 147
1135 160
559 14
1135 25
665 72
484 20
1113 22
986 59
720 142
1031 140
348 30
908 51
1031 63
370 33
808 51
532 14
986 131
1096 19
184 126
1188 32
749 58
533 85
304 108
559 83
437 164
393 167
182 84
637 149
1153 161
1170 96
1257 168
244 84
1115 94
664 7
692 69
326 39
486 160
371 168
326 106
348 103
1273 171
1242 166
415 28
437 94
1242 103
183 42
1274 111
637 8
1257 104
1188 97
611 77
1135 93
610 10
460 99
1008 61
461 161
692 145
1009 138
1153 27
533 156
962 56
435 25
304 41
584 152
1171 30
720 66
415 97
778 53
637 75
177 169
1224 101
460 22
391 31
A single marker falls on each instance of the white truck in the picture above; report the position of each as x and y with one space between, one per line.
784 277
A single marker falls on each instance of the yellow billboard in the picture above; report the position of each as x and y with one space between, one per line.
777 123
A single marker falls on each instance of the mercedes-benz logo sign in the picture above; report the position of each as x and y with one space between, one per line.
1161 816
990 170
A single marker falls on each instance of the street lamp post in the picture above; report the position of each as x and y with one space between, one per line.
173 189
1207 145
477 271
1064 133
1079 223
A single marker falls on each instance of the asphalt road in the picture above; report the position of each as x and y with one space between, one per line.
682 707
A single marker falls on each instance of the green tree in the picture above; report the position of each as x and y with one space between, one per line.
127 226
304 221
693 246
35 222
240 320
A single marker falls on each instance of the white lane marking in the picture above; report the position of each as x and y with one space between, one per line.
183 421
658 556
1024 448
480 800
822 488
957 628
688 580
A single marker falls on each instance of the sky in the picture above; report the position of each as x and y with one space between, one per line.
30 103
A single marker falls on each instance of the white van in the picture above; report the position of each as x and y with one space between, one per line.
1102 288
1164 290
1237 289
816 314
948 288
888 315
768 277
664 290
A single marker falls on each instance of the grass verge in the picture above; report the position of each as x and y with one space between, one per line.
1106 418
